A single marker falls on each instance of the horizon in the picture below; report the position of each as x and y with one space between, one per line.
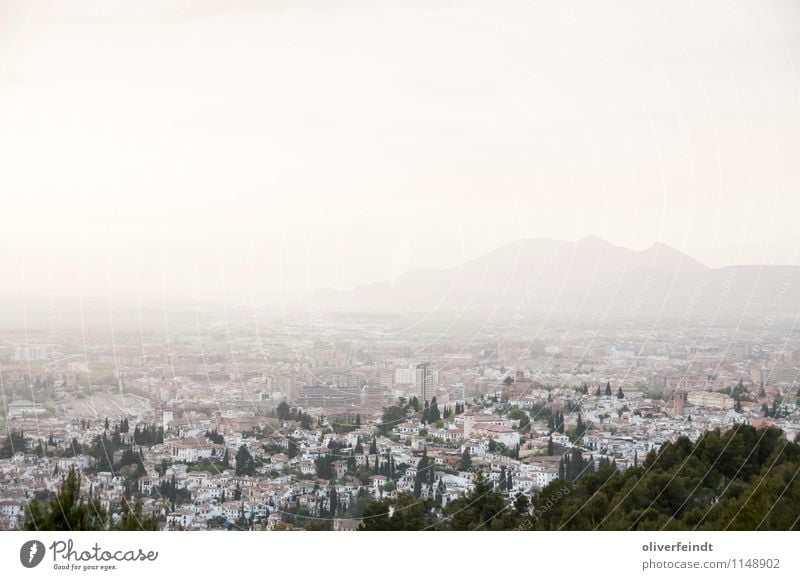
367 265
273 299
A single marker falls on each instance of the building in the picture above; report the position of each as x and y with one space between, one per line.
426 380
340 525
23 408
314 395
779 374
404 376
29 352
710 400
192 450
386 378
285 384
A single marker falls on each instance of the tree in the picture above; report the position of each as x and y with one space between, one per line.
324 466
481 509
465 464
608 389
433 411
403 513
15 442
333 501
425 474
620 394
244 462
283 410
132 519
391 417
522 505
67 511
579 427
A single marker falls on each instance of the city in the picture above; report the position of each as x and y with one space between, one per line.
377 266
300 421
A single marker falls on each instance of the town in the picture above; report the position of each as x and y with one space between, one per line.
285 423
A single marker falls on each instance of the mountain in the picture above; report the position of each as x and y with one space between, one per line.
590 277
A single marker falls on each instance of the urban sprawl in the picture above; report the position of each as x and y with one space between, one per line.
305 424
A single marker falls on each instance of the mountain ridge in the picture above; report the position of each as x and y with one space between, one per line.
590 275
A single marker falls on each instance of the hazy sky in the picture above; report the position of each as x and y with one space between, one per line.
259 148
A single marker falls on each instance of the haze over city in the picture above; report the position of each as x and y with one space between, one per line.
363 265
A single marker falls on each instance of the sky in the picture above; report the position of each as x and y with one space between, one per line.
256 150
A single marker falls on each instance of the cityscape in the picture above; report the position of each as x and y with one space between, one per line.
430 265
256 420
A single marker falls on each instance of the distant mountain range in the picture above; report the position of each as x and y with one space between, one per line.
589 277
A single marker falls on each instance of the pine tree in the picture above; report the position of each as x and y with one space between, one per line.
244 462
433 413
465 464
334 501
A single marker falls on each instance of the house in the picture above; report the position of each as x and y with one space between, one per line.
505 435
274 520
11 509
346 525
180 518
192 450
